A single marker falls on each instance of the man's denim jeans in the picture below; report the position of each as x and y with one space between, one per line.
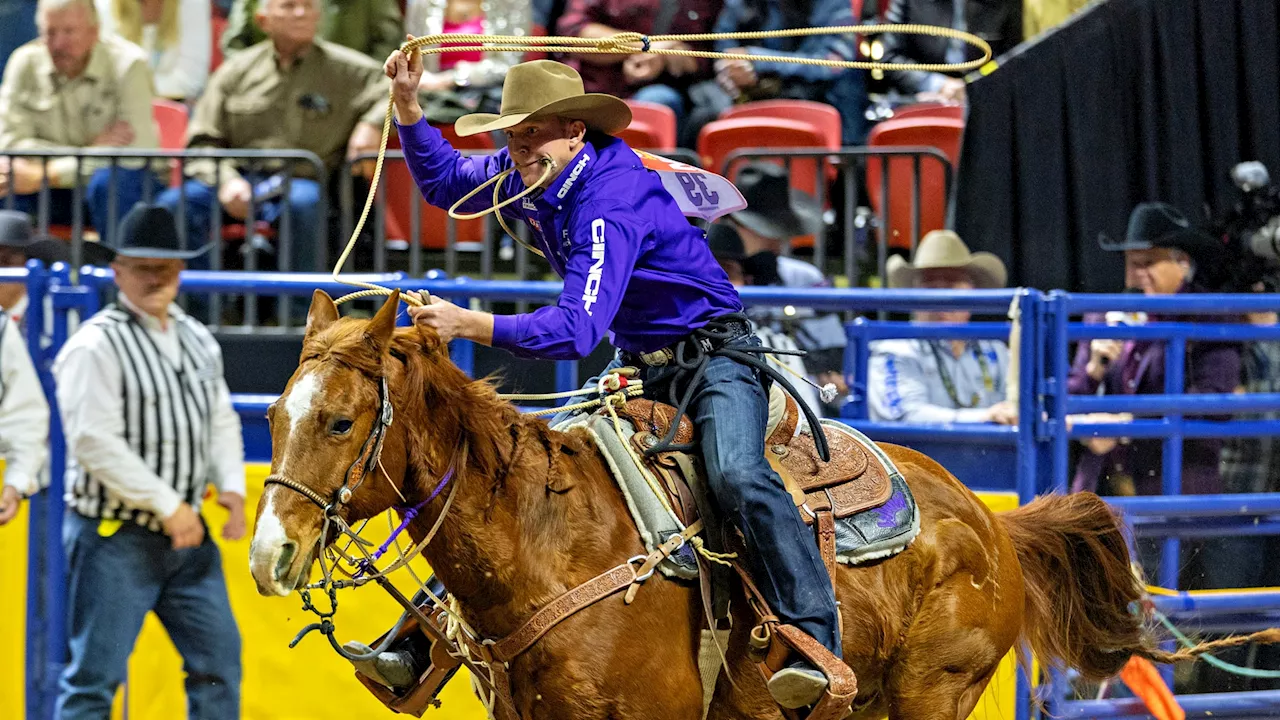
305 222
112 583
131 186
729 411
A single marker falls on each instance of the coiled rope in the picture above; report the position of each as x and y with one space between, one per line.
629 43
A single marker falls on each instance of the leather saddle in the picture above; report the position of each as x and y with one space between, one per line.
852 482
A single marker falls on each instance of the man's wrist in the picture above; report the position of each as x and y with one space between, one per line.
479 327
408 112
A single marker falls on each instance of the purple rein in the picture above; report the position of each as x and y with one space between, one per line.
409 514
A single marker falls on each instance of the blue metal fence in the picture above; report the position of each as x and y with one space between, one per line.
1029 458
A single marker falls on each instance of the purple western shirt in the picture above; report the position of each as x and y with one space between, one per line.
631 262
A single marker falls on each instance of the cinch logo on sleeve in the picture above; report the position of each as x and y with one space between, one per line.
573 175
591 293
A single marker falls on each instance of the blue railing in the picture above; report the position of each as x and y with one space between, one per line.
1031 456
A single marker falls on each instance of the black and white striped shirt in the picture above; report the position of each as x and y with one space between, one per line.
147 415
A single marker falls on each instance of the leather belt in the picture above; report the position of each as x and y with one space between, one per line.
667 355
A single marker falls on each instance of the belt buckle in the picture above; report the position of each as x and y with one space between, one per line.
657 358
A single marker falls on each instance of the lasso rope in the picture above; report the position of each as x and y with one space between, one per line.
629 43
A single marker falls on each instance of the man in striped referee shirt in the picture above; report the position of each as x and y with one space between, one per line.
149 424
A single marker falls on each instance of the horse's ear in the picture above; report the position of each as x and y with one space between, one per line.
383 324
322 314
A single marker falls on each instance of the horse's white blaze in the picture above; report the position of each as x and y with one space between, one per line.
301 397
269 538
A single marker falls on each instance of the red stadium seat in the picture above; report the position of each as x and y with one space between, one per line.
401 193
653 126
219 26
939 132
821 115
929 110
171 126
720 137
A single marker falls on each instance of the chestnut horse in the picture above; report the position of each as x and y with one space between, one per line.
537 512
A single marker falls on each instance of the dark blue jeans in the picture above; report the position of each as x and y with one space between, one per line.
132 186
305 221
112 583
729 410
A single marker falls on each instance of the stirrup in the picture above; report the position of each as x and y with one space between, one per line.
772 646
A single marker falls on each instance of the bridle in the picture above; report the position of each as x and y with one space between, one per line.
365 462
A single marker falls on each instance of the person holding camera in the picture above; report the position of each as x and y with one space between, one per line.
1161 253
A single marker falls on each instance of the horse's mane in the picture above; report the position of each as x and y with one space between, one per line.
452 403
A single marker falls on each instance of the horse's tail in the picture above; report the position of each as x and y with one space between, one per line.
1082 595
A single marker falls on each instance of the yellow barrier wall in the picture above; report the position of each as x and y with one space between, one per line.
310 682
13 614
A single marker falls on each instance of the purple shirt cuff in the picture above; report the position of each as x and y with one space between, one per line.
419 134
506 331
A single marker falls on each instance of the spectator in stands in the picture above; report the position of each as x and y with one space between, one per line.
939 381
72 88
372 27
460 82
149 423
775 214
1161 253
24 413
728 249
662 79
176 35
765 79
999 22
289 91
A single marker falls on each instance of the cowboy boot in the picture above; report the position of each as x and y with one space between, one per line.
400 665
798 685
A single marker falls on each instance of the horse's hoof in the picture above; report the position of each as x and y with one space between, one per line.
797 686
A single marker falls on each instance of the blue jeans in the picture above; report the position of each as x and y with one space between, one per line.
112 583
132 186
730 410
304 205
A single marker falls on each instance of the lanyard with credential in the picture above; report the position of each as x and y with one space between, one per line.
987 381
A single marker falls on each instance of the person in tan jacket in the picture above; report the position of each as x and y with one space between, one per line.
292 90
73 88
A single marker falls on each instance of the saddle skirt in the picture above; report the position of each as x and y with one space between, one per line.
859 499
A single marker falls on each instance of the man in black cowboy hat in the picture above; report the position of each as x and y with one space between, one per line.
776 213
148 422
1164 255
24 413
20 243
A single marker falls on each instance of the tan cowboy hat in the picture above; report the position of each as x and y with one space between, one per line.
945 249
545 88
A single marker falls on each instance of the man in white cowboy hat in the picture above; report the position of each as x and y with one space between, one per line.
149 425
633 266
942 381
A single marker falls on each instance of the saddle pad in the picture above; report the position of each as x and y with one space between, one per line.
654 521
871 534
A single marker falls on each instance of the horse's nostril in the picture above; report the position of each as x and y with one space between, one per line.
287 551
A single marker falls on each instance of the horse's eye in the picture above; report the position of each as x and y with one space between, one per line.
341 426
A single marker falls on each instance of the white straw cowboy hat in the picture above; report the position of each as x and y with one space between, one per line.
944 249
545 88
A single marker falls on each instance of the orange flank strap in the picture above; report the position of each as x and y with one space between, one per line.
1144 680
